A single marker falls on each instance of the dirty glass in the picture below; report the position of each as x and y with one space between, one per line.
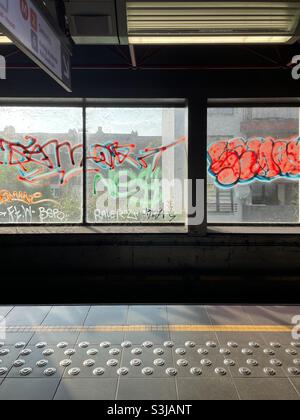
253 165
136 164
41 167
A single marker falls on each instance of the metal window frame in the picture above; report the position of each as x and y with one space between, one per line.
84 104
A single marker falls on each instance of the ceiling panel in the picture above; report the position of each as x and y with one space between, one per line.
271 21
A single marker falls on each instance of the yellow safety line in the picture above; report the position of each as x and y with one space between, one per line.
150 328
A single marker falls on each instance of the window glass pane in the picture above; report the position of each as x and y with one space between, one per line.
40 165
253 165
137 165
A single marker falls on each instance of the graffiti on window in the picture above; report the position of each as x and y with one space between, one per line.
40 158
136 165
41 163
239 161
36 161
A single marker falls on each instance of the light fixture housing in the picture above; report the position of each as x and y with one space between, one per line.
212 22
4 39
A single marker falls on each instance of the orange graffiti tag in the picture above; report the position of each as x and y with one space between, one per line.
23 197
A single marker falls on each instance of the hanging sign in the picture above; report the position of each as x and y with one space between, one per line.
25 24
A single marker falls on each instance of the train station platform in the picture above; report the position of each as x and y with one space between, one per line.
149 353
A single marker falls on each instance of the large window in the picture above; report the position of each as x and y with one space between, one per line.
93 165
41 165
137 164
253 165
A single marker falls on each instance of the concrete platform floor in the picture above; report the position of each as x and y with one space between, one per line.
149 352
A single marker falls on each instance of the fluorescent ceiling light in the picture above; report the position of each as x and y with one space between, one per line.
175 40
214 4
203 22
5 40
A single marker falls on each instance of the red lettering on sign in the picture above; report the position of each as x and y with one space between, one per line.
33 20
24 9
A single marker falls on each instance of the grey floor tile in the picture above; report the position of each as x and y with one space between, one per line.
4 310
200 338
285 312
4 375
8 359
38 372
228 315
66 315
107 315
157 337
181 315
194 360
290 374
265 389
87 389
289 310
256 371
97 338
272 315
286 357
13 338
100 361
148 358
28 389
27 315
206 389
247 347
87 372
264 355
240 338
282 338
152 315
53 338
296 383
289 361
147 389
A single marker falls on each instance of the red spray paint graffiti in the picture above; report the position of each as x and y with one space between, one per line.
36 161
238 160
114 154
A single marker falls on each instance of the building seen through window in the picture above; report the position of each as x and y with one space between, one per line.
134 164
40 165
253 165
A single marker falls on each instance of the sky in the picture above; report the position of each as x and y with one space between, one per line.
147 121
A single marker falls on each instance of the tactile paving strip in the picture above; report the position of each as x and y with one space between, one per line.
150 360
148 328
